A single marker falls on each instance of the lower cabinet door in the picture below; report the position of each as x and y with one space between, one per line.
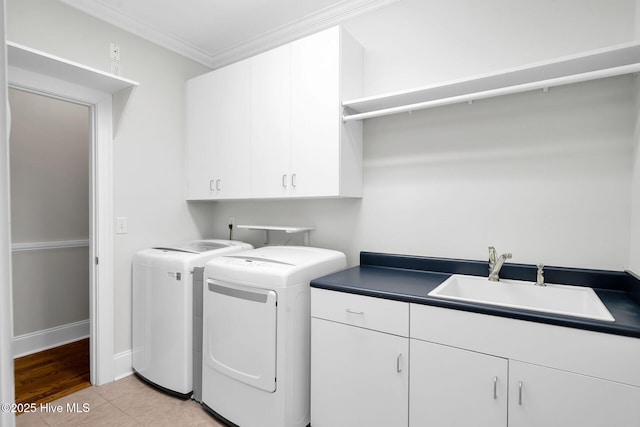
359 377
540 396
454 387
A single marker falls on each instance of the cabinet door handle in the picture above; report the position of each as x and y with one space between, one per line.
293 180
520 393
495 388
212 184
398 360
354 312
217 184
284 180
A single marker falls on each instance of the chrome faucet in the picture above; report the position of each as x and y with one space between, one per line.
496 264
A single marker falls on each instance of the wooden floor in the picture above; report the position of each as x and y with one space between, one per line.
51 374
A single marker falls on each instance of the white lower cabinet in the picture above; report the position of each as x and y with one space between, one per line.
454 387
359 360
540 396
359 377
376 362
557 376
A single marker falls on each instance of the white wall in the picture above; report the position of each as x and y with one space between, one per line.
49 202
545 176
417 42
148 149
49 168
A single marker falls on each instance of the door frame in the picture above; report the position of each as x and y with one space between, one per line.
101 209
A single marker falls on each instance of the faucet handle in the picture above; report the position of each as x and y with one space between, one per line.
492 254
540 275
492 258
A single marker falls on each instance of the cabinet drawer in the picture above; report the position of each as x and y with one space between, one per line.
366 312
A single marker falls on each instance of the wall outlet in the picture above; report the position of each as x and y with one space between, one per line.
114 51
122 227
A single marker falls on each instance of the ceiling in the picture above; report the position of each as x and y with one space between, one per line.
219 32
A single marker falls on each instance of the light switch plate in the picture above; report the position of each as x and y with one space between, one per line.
121 225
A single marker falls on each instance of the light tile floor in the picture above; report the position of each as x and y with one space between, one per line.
127 402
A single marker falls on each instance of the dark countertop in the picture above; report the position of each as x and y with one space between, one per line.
410 279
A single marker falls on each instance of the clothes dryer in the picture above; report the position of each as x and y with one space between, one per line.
163 310
256 343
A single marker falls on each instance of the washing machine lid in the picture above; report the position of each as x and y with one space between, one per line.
197 246
276 266
291 256
259 259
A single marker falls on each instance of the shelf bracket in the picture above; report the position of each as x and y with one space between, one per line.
286 229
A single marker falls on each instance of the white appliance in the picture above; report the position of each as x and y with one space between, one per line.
163 310
255 370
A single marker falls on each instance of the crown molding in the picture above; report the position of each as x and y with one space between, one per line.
117 18
309 24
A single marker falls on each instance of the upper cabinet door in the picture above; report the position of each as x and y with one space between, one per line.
230 114
199 137
218 134
315 114
270 123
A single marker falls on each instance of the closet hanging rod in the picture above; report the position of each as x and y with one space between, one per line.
508 90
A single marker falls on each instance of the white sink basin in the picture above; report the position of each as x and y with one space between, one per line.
576 301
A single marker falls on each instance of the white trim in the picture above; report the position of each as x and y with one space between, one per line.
7 419
53 337
123 363
101 292
101 209
309 24
40 246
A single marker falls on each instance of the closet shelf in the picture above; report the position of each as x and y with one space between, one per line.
597 64
26 58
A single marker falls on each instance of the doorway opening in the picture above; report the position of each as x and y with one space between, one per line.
50 150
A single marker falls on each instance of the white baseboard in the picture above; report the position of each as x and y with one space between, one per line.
122 363
49 338
42 340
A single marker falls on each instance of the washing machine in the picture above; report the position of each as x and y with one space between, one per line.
256 343
163 310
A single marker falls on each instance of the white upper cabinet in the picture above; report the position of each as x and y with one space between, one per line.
218 134
326 154
282 112
270 122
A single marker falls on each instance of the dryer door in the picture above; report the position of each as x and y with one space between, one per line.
241 332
